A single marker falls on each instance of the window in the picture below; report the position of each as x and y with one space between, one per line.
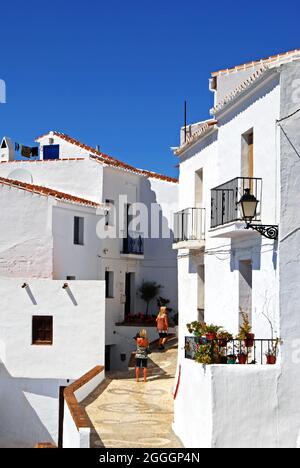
199 188
78 230
247 162
109 284
50 152
71 278
109 217
42 330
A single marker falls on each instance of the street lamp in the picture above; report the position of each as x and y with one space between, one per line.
248 206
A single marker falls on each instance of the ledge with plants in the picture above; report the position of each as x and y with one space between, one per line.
212 344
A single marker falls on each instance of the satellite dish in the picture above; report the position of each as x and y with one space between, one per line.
21 175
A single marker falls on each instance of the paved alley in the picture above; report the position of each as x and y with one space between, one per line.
129 414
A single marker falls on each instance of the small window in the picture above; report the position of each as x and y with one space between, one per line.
78 230
51 152
109 284
109 217
42 330
71 278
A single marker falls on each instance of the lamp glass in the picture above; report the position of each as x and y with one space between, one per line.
248 205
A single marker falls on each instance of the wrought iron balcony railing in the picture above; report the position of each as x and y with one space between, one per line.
225 198
263 351
189 225
133 244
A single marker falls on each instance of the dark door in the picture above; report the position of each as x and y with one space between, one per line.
107 357
127 239
61 412
128 294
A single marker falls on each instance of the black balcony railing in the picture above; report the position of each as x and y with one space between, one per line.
189 225
261 351
225 198
133 244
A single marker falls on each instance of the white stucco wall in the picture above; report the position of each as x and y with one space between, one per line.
227 406
289 380
30 376
81 261
80 178
28 410
219 155
26 244
216 392
72 437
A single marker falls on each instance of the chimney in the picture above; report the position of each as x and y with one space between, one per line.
7 150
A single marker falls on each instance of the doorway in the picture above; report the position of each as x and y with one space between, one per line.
245 289
61 414
201 292
129 292
108 358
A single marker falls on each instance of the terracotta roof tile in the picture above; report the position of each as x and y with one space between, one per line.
265 61
202 130
41 160
109 160
45 191
239 89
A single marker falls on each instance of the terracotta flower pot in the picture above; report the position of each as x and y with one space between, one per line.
222 343
249 342
211 336
242 358
271 360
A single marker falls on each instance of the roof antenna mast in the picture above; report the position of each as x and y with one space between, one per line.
185 121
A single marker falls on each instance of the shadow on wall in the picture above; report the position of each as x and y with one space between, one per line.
251 251
20 425
200 146
159 251
267 89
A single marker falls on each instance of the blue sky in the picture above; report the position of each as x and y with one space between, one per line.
116 73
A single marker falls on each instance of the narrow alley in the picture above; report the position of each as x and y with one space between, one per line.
132 415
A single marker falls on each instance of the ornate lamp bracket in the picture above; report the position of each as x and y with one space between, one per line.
268 231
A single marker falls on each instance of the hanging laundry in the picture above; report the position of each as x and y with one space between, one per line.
35 151
25 151
17 147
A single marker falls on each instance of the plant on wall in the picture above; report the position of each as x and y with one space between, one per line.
148 291
196 328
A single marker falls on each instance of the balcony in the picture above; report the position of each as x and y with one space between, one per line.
189 229
133 244
224 206
259 352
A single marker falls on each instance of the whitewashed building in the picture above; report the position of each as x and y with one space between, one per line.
250 142
65 284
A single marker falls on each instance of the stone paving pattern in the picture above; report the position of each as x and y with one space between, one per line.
127 414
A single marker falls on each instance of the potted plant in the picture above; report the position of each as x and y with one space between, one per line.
223 338
271 354
207 354
242 355
231 359
245 333
197 328
211 332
